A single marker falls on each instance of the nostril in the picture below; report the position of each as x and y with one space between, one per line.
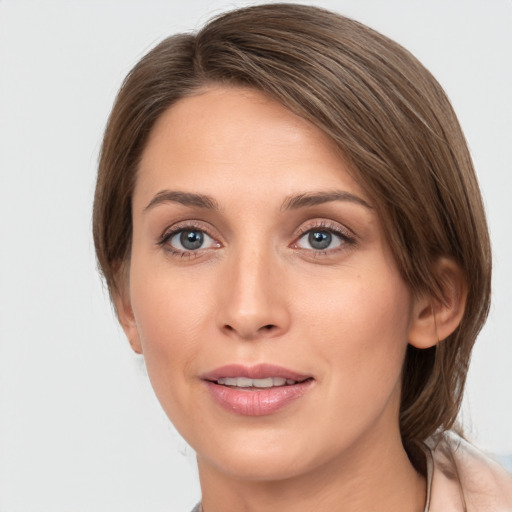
249 331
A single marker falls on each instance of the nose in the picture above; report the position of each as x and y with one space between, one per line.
253 301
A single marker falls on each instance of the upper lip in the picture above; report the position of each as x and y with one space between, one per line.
259 371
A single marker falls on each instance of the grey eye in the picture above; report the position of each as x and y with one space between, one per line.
191 240
320 240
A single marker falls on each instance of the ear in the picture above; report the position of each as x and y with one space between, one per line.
434 319
123 305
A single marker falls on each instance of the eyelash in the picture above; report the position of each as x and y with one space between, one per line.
168 235
347 239
346 236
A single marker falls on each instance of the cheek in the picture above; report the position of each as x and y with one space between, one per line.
170 317
360 329
167 303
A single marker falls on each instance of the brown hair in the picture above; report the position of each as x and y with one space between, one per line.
388 116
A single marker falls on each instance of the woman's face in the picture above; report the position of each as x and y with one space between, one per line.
271 315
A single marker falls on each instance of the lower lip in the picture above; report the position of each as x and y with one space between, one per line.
257 402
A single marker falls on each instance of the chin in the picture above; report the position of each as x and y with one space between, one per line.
268 454
270 465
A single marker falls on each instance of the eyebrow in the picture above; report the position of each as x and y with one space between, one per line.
315 198
294 202
184 198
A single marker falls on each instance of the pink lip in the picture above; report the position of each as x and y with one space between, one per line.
259 371
252 401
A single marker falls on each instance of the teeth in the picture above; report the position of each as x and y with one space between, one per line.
278 381
245 382
263 383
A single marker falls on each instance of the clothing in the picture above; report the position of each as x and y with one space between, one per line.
461 478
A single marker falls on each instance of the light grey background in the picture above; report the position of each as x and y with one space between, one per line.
79 427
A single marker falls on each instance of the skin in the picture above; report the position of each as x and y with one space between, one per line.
256 292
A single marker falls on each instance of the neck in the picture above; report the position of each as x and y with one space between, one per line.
374 474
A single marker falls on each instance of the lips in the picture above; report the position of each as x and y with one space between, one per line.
260 371
245 382
256 390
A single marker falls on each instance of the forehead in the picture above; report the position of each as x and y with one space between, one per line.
239 140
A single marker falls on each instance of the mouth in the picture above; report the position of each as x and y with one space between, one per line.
260 376
266 383
256 390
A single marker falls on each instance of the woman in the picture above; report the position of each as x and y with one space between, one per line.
290 227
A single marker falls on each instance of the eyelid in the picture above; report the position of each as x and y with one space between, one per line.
347 235
188 225
327 225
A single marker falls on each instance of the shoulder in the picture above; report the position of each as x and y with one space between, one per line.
462 478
